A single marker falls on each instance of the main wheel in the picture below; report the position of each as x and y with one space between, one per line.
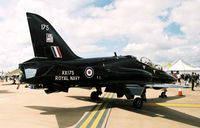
138 103
94 96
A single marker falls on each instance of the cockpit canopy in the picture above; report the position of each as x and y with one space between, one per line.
150 63
158 67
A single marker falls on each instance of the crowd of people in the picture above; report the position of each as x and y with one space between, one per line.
193 78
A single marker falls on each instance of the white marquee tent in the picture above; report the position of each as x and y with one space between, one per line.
182 67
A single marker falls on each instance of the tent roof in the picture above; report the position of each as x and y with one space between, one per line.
15 72
181 66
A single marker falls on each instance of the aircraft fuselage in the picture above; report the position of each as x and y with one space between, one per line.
93 72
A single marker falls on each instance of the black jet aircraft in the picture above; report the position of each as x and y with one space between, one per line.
57 68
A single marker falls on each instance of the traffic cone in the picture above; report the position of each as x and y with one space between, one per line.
180 92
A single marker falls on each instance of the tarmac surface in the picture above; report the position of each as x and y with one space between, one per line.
33 108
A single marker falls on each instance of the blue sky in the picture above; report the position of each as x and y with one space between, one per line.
101 3
165 17
173 29
163 31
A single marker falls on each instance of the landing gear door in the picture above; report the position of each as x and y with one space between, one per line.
133 90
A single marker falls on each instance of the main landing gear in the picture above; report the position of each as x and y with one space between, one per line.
138 102
95 95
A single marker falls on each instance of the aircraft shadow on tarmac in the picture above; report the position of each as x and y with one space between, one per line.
7 84
67 117
158 111
5 91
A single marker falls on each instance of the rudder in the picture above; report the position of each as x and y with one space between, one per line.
46 41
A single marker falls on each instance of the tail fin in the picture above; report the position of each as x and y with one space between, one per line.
46 41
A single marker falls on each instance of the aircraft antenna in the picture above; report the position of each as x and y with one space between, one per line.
115 54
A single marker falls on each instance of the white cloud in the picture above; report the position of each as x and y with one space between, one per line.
187 16
90 48
82 25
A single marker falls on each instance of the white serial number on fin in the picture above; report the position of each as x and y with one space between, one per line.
44 27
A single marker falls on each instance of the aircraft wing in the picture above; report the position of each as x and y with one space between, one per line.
167 86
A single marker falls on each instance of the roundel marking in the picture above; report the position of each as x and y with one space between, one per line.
89 72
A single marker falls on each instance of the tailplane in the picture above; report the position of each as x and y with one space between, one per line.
46 41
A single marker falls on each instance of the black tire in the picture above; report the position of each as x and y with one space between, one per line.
94 96
138 103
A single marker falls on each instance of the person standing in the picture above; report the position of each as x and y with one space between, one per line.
179 78
196 78
185 78
193 80
189 77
